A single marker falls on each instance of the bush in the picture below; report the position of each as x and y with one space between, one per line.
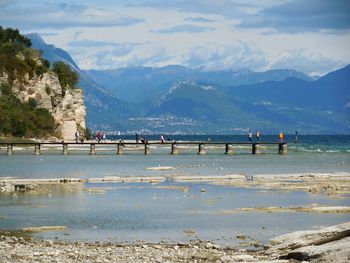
13 36
46 63
32 103
87 134
6 89
48 89
23 119
66 76
17 59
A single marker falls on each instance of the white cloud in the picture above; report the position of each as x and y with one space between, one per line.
311 63
191 33
238 55
302 16
61 15
183 28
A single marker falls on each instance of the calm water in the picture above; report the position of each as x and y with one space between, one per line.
131 212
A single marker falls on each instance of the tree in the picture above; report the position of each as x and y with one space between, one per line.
66 76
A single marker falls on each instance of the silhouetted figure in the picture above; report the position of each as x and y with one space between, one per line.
98 137
250 136
258 136
77 136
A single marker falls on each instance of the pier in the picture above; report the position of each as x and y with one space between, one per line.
120 148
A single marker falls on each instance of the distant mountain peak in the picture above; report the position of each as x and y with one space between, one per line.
36 37
51 53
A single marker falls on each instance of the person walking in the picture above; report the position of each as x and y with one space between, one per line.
104 137
250 136
161 139
281 136
98 137
258 136
296 137
77 136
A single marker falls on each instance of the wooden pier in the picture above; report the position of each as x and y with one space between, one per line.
228 147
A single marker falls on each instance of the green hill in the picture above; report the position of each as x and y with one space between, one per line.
27 102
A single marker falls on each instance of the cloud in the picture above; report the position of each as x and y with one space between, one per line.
45 34
61 15
198 19
183 29
85 43
239 55
302 16
4 3
224 8
309 62
101 54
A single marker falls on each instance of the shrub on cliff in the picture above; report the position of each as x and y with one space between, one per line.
66 76
10 35
17 58
23 119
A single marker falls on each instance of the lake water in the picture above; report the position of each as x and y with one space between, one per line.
170 211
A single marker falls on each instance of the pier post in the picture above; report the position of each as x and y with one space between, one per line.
282 148
37 149
174 148
147 149
9 149
228 149
120 149
256 148
65 149
92 149
201 149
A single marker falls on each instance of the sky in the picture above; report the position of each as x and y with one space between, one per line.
311 36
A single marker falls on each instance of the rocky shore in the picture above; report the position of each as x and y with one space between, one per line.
330 244
332 184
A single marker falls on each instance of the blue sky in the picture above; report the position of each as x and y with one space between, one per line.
311 36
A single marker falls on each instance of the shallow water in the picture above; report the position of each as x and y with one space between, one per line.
141 211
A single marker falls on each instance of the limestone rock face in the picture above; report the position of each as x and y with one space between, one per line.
329 244
68 110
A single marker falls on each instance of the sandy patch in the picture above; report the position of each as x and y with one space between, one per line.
161 168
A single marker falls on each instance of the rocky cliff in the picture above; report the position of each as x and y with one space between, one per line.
68 110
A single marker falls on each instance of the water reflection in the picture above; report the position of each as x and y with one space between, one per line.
166 211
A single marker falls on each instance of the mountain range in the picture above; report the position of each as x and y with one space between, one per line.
176 99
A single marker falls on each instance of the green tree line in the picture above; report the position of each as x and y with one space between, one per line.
23 119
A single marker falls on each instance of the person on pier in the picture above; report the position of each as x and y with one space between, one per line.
250 136
77 136
258 136
98 137
281 137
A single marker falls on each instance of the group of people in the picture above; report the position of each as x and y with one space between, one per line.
258 136
250 136
102 138
99 138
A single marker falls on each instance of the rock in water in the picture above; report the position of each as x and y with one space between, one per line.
319 246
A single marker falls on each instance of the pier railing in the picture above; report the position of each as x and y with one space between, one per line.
256 148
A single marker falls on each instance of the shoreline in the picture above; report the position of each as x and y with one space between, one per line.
332 184
322 245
